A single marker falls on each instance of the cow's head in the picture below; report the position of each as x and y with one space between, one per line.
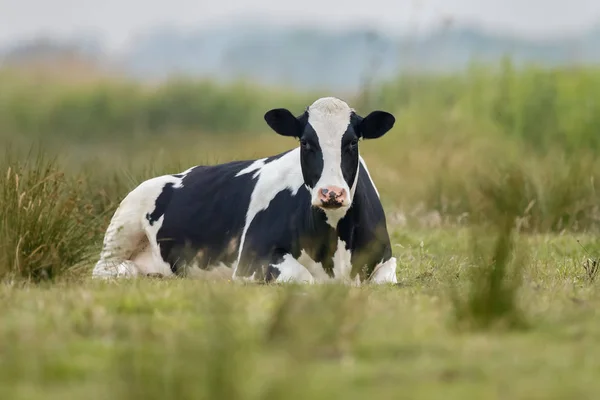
329 131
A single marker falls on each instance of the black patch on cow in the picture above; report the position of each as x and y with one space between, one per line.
161 203
364 229
272 273
204 222
349 162
311 156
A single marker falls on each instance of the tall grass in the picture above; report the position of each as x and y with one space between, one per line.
491 299
46 222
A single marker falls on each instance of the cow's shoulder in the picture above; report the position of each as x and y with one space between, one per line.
281 173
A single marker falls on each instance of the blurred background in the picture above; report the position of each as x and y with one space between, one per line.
122 90
328 45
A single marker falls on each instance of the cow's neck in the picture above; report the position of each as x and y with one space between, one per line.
329 234
333 217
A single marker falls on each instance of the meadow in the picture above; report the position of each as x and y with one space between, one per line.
488 180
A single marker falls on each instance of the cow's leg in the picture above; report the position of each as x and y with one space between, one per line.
288 269
385 272
124 269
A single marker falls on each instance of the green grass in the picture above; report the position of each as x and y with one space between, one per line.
489 184
151 339
47 224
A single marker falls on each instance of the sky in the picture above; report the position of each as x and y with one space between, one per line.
117 21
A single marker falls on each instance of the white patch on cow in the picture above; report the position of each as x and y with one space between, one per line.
290 270
364 165
183 175
130 241
333 217
315 268
342 266
385 272
342 262
256 165
281 174
330 117
125 269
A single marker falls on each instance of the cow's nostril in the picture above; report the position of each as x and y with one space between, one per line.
324 191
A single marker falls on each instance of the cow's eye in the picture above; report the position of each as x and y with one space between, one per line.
353 144
304 144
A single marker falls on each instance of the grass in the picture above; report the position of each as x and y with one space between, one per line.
493 217
46 224
191 339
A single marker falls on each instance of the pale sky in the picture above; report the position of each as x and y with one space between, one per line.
117 20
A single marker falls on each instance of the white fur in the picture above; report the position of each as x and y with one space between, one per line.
342 262
256 165
290 270
363 164
385 272
315 268
130 246
342 266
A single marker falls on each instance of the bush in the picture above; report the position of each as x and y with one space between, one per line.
46 225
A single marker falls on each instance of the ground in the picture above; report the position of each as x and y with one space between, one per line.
154 338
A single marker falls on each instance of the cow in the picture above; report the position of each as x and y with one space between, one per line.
311 214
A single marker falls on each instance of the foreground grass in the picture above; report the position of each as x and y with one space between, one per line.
152 339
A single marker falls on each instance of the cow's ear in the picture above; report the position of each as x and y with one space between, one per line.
375 125
284 122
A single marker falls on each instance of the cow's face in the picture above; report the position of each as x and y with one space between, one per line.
329 131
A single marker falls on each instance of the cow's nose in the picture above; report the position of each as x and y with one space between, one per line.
332 196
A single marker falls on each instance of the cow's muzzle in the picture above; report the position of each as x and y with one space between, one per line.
332 197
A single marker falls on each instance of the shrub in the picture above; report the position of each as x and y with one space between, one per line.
46 225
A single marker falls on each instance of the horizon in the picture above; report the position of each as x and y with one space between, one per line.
116 24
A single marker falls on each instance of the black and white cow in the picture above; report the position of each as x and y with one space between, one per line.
311 214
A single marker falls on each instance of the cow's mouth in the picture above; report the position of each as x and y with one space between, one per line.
331 205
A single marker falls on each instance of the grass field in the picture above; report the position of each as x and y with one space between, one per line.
151 339
489 184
